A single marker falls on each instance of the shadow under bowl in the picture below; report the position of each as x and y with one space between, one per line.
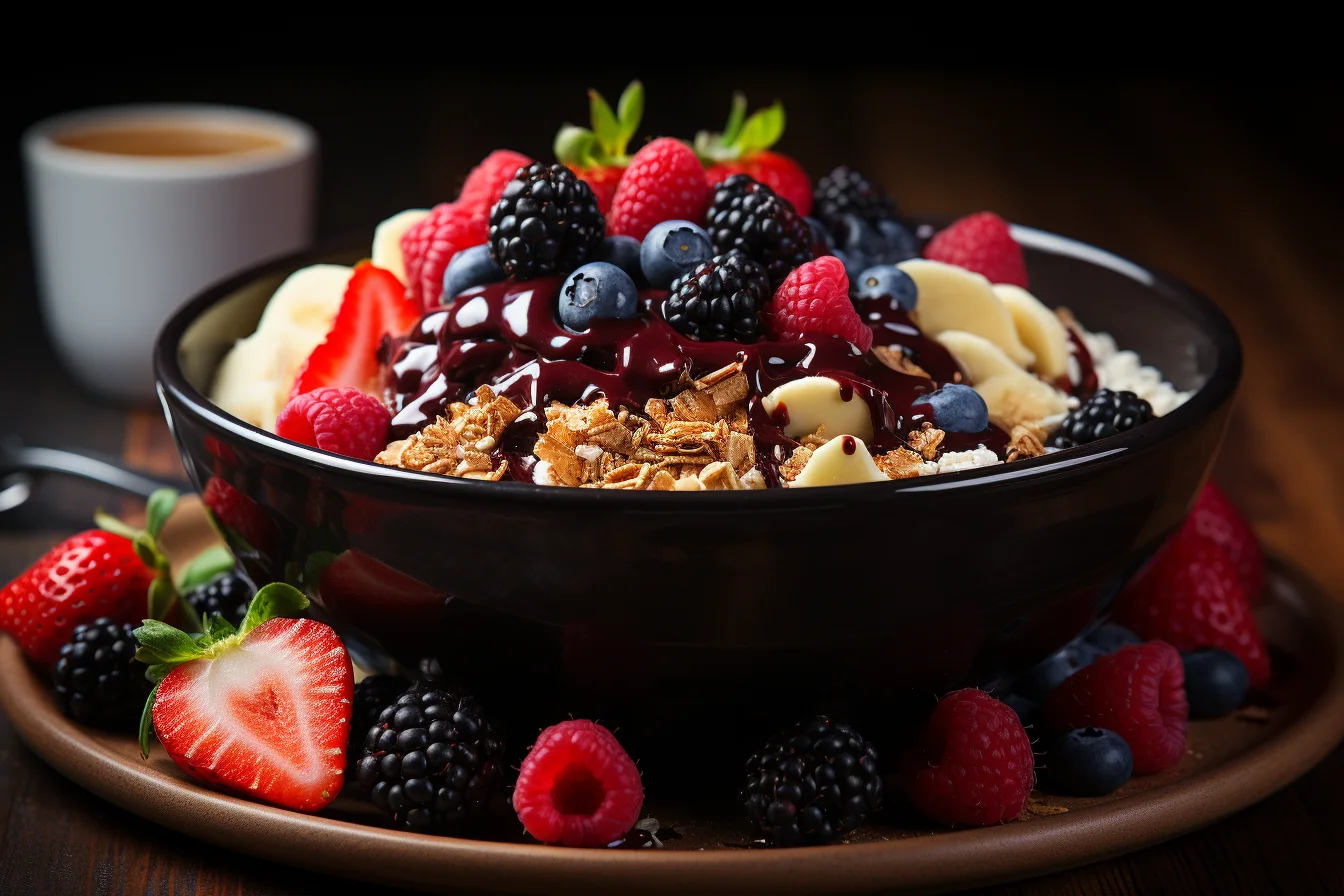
674 614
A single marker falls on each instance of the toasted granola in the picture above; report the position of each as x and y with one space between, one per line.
1023 443
459 444
904 463
896 359
926 440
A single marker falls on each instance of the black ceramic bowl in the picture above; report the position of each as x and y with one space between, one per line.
657 611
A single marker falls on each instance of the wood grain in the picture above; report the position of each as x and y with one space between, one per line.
1233 188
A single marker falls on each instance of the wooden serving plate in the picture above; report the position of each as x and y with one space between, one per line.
1230 764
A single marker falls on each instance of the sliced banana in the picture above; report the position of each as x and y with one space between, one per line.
953 298
253 381
813 401
1039 329
1014 398
979 358
841 461
387 240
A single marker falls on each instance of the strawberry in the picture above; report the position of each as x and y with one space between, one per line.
264 710
1189 596
481 189
114 571
981 243
1216 519
428 246
814 301
375 304
598 155
743 148
663 182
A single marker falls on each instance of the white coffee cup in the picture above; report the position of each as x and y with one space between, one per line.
136 208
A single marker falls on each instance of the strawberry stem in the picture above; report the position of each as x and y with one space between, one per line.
743 136
605 142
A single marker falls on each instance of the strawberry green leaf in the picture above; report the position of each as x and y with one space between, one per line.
762 130
576 147
605 126
160 643
158 509
162 595
629 111
147 718
109 523
216 628
737 114
742 136
147 551
272 601
209 565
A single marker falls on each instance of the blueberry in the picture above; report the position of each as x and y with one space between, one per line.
468 268
821 237
1216 682
1026 708
673 249
957 408
1088 762
1110 637
863 244
886 281
622 251
597 290
1038 682
901 243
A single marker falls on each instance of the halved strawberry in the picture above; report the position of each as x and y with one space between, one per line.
264 710
743 148
375 303
598 155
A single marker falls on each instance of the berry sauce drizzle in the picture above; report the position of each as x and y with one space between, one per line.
507 336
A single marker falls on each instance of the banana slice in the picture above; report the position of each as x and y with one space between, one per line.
1014 398
953 298
1038 328
253 381
979 358
841 461
387 240
812 401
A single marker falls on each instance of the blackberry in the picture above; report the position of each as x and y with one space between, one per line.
721 299
547 220
1104 414
847 192
431 761
227 595
749 216
812 783
98 679
372 696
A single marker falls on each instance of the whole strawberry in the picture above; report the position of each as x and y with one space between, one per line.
1215 518
982 243
1189 596
1139 693
744 148
427 247
598 154
481 189
973 762
114 572
814 301
663 182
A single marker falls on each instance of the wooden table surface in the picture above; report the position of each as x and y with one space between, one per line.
1235 190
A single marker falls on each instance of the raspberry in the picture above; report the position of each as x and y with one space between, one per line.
337 419
578 787
814 301
487 180
981 243
1216 519
428 247
664 181
1139 693
1189 596
973 762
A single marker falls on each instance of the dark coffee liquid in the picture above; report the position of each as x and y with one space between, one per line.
167 140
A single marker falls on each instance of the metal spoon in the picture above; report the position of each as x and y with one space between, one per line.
19 462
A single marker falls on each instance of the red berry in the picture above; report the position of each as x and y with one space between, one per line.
664 181
814 301
578 787
1188 596
239 517
427 247
1215 518
92 574
981 243
778 172
1139 693
481 189
973 762
374 305
340 420
603 180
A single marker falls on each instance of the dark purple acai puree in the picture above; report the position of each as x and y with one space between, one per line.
507 336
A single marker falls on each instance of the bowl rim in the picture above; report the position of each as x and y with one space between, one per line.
173 388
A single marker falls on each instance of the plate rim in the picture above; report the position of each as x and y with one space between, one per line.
958 858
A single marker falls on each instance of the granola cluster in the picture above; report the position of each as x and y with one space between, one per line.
694 441
460 443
